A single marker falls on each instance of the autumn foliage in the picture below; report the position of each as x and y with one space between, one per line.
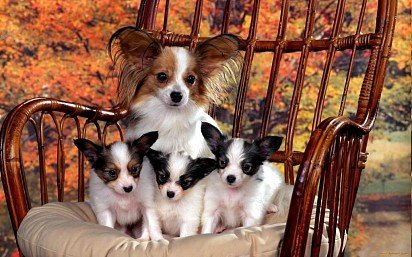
58 49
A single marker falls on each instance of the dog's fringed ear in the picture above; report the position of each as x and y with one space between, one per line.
136 46
133 52
268 145
214 51
90 150
156 158
220 64
143 143
203 166
198 169
212 136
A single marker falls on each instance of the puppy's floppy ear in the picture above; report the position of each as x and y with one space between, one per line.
202 166
197 170
157 159
90 150
133 52
212 52
268 145
143 143
212 136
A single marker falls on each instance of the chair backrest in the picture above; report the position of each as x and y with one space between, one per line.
334 157
339 44
330 165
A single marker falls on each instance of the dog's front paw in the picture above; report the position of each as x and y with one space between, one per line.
143 238
166 236
156 236
220 228
273 208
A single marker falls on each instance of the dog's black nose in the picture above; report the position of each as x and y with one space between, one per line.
230 179
176 96
128 189
170 194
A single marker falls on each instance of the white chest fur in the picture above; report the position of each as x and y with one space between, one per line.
182 217
232 208
243 206
125 209
179 128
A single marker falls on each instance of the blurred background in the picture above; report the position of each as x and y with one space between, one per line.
58 49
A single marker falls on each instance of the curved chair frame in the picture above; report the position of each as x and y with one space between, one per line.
331 165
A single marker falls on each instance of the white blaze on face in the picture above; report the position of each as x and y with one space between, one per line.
177 82
235 155
121 156
178 162
182 64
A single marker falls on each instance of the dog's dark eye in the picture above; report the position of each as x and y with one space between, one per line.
162 178
135 170
191 79
162 77
112 173
185 183
246 167
222 163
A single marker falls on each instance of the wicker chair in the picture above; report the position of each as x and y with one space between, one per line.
331 165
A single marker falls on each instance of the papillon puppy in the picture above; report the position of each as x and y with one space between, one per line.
179 198
168 89
118 196
244 186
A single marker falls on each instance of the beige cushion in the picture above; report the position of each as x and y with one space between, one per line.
70 229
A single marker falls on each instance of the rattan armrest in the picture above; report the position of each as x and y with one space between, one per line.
10 137
312 168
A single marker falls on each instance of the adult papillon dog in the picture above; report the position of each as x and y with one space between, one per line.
168 89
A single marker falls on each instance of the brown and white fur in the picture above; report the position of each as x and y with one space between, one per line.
119 194
168 89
